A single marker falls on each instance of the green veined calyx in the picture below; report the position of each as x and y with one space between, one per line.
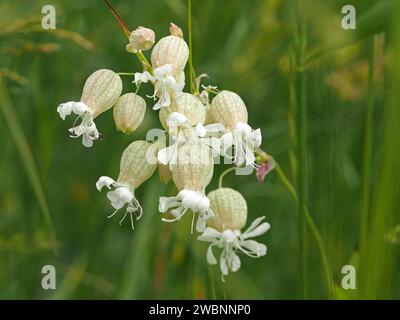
128 112
192 170
100 92
134 170
229 109
224 230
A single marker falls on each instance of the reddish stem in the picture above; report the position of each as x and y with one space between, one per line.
119 19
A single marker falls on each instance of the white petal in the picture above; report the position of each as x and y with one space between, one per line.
200 130
257 138
65 109
176 119
87 141
255 247
104 181
210 234
215 127
210 256
223 265
165 155
200 224
227 141
261 229
163 71
79 108
235 262
254 224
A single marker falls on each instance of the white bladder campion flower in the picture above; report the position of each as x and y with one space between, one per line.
165 85
197 131
191 173
229 109
134 170
100 92
224 231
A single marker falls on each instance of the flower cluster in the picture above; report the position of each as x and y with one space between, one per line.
198 129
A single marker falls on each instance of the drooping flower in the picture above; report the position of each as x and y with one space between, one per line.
191 172
140 39
166 86
224 231
134 170
128 112
100 92
229 109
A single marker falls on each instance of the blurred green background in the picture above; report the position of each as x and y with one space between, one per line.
51 212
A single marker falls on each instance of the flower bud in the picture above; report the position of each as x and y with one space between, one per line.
170 50
187 104
140 39
101 91
193 167
134 167
175 30
230 209
129 112
229 109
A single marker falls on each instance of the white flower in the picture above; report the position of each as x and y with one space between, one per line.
87 128
122 195
180 131
244 141
186 200
205 93
232 242
165 84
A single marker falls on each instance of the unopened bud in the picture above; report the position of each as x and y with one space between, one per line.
175 30
140 39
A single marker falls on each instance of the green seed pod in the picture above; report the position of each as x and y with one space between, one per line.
135 167
193 167
187 104
129 112
101 91
230 209
171 50
229 109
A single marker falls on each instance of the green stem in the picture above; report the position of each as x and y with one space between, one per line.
367 157
313 228
192 75
223 174
300 43
126 73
